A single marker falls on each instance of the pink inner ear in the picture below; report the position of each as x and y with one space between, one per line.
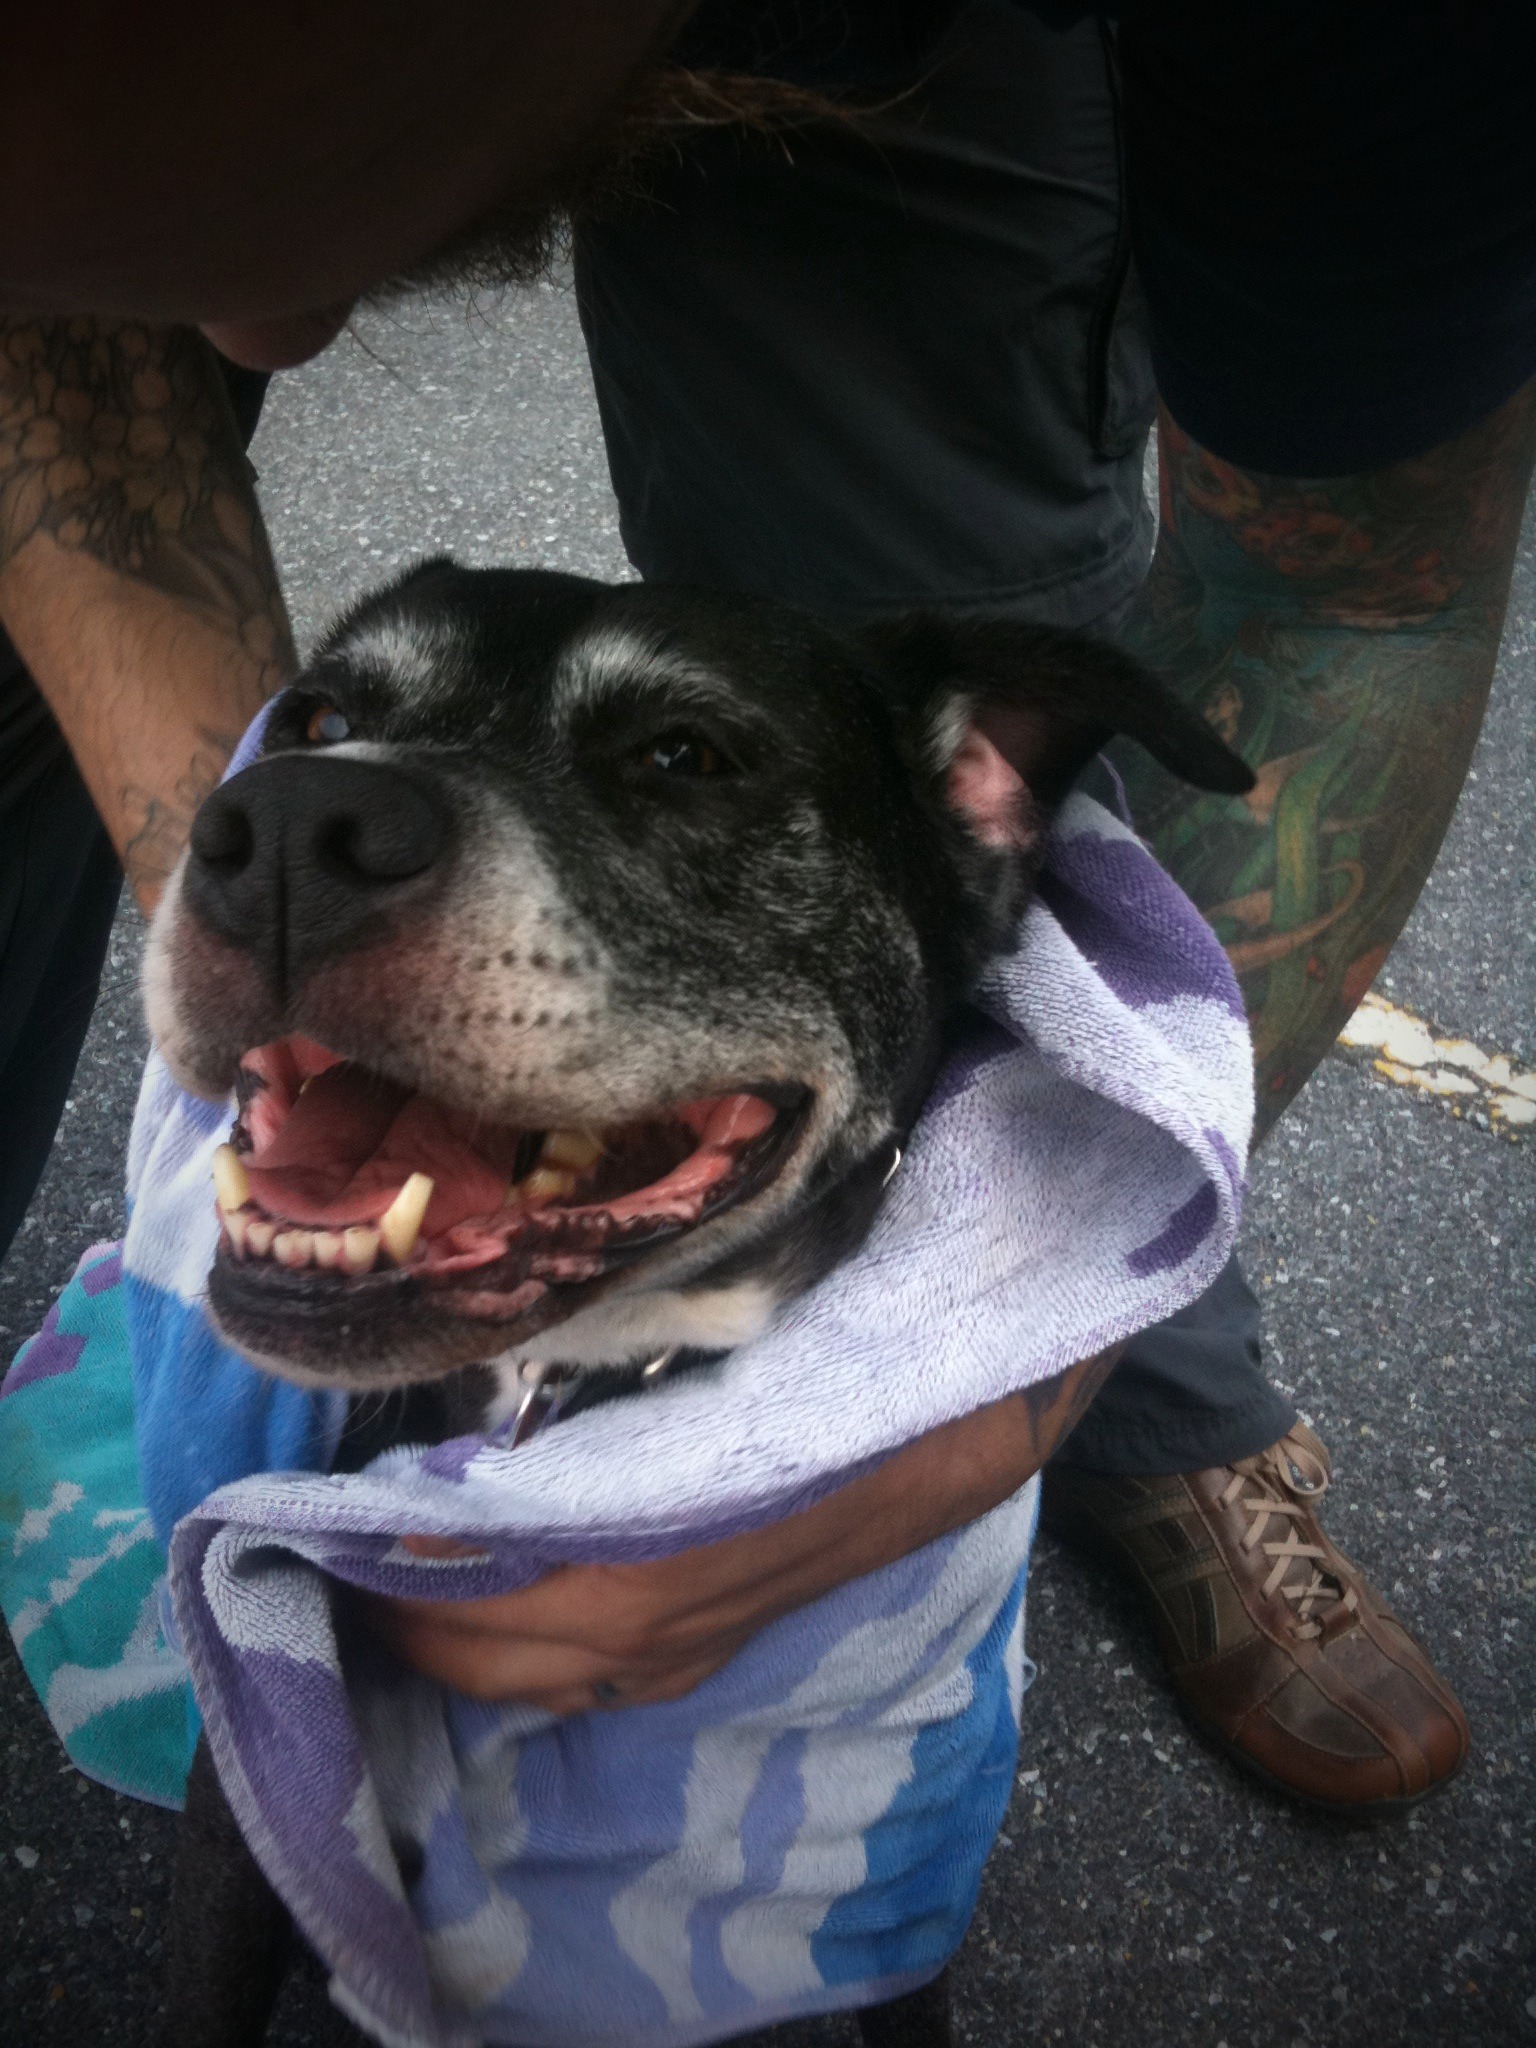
990 793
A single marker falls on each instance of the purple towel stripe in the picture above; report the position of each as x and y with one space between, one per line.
106 1272
50 1353
1187 1229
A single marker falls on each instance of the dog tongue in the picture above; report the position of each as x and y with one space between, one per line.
350 1142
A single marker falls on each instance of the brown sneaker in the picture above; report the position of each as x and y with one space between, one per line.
1279 1649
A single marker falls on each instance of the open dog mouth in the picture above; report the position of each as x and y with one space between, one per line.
338 1182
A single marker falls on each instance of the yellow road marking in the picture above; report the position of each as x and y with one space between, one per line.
1404 1049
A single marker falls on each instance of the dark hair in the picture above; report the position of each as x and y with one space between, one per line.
518 240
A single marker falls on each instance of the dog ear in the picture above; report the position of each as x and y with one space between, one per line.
1010 715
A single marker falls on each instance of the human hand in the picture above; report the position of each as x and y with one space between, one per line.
591 1636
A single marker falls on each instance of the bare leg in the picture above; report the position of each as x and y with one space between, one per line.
1342 633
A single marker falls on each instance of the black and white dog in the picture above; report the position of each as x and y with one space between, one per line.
581 956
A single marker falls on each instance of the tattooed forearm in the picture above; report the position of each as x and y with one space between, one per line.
1053 1409
1342 634
117 440
167 814
135 576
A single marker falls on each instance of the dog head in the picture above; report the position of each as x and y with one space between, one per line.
579 954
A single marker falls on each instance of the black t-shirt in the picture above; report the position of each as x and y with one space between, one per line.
1332 202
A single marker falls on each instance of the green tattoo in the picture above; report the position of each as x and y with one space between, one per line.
1342 635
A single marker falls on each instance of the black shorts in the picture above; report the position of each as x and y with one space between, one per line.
863 372
1332 203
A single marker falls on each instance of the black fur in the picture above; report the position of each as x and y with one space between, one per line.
492 893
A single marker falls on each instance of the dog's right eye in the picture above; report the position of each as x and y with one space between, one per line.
680 753
326 727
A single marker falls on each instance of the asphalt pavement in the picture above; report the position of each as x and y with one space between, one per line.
1141 1892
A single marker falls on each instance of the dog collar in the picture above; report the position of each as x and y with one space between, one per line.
553 1392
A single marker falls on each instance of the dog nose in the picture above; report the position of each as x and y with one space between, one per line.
301 857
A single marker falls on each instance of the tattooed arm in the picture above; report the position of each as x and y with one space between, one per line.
135 578
1342 634
620 1634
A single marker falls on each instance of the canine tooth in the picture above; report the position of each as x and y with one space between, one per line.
231 1188
236 1223
574 1149
293 1247
359 1248
328 1248
546 1184
259 1233
400 1225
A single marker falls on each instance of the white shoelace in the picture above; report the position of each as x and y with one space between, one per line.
1314 1593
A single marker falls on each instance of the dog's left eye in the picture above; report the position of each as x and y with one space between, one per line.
680 753
326 726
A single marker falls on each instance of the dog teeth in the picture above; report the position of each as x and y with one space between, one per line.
353 1250
231 1187
359 1248
400 1225
576 1150
546 1184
